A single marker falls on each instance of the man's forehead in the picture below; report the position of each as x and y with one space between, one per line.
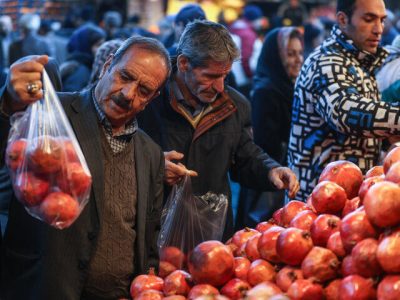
374 8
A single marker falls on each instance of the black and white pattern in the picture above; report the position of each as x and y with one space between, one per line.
337 112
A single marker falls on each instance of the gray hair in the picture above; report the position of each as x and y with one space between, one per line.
29 22
149 44
204 40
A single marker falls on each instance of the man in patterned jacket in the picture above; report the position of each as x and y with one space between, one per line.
337 109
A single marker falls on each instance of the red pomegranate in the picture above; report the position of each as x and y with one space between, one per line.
174 297
165 268
263 226
290 210
303 220
251 248
375 171
357 287
389 288
277 216
173 255
392 157
354 228
335 244
346 174
267 244
393 174
286 276
309 203
146 282
328 198
150 295
59 209
348 267
388 252
15 154
351 205
303 289
366 185
259 271
177 283
323 227
31 190
235 289
74 180
45 155
241 267
293 245
240 237
382 204
70 154
264 290
320 264
331 291
202 290
211 262
364 258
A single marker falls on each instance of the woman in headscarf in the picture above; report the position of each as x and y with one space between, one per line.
271 100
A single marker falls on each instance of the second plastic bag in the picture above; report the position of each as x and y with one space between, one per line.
48 170
188 220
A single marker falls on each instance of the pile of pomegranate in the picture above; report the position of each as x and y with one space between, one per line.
49 178
344 243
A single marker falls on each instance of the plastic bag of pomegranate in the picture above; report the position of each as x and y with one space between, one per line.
188 220
48 170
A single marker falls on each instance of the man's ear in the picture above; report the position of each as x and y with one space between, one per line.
342 20
182 63
106 65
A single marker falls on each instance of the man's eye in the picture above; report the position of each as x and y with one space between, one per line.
144 91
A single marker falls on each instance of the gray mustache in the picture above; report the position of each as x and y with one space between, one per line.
121 101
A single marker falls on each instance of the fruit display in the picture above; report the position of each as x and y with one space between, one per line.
343 244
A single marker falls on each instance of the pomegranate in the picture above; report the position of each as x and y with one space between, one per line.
354 228
251 248
211 262
267 244
290 210
322 228
346 174
351 205
259 271
70 154
242 266
364 258
366 185
235 289
45 155
202 290
150 295
389 288
175 297
286 276
292 245
375 171
303 220
335 244
59 209
263 226
393 174
173 255
348 267
15 154
382 204
309 203
388 252
165 268
304 289
263 290
30 189
392 157
177 283
320 264
241 237
331 291
74 180
277 216
357 287
146 282
328 198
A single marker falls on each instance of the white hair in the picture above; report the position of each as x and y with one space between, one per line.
29 22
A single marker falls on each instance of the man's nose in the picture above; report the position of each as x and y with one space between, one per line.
130 91
219 84
378 28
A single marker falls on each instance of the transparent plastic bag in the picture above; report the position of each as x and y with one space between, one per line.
48 170
188 220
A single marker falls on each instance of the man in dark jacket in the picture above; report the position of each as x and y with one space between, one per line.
206 125
114 238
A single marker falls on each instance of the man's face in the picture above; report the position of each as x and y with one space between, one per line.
128 86
205 83
366 25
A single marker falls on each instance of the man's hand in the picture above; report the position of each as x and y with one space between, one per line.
175 172
284 178
22 75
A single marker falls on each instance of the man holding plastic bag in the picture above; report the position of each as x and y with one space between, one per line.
114 237
205 125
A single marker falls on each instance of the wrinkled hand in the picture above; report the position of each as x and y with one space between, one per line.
175 172
22 73
284 178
